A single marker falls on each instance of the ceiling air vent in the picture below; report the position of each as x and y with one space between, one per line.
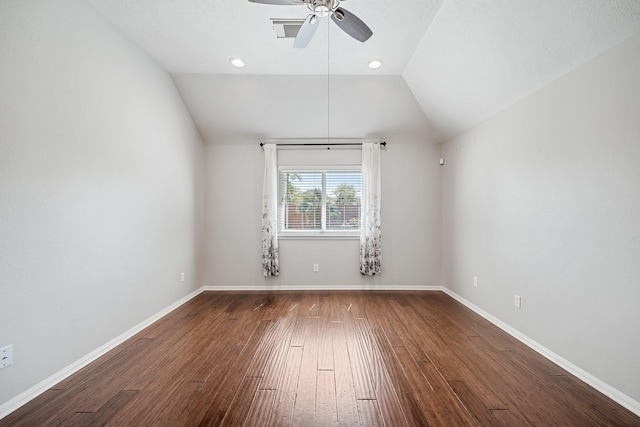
286 28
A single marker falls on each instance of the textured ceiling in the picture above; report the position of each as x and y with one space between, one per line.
463 60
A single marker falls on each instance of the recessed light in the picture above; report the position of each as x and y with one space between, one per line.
376 63
237 62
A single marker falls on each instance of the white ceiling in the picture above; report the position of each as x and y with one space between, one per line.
479 57
199 36
463 60
237 109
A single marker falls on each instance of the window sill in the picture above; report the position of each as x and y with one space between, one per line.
305 235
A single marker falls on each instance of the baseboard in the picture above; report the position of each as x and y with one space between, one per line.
594 382
240 288
33 392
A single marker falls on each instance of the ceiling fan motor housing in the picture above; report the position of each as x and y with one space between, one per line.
323 8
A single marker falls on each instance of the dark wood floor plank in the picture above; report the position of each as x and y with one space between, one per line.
437 400
113 406
39 410
362 377
184 405
326 406
227 362
585 402
347 406
263 352
476 407
217 360
302 358
312 305
369 413
112 362
166 353
229 380
283 410
427 339
200 408
417 384
298 313
450 355
413 412
325 339
261 409
523 385
408 327
449 410
305 404
379 303
218 345
237 412
355 308
275 365
389 404
444 406
512 417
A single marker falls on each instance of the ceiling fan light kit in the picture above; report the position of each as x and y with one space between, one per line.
347 21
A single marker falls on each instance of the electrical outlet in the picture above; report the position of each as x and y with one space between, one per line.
517 301
182 276
6 356
316 267
475 282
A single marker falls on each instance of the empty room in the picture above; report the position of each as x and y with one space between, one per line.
319 212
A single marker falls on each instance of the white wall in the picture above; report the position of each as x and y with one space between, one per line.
100 176
543 201
244 110
410 219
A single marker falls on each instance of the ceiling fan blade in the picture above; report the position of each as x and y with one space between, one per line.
282 2
306 32
351 24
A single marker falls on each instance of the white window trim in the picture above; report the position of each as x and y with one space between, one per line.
316 234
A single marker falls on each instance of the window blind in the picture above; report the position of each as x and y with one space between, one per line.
320 201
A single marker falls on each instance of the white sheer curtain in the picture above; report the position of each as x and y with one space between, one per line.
370 236
270 256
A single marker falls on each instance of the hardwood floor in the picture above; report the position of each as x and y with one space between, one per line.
321 359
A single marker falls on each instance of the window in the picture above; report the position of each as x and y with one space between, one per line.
320 202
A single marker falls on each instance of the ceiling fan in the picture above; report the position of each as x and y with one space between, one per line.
347 21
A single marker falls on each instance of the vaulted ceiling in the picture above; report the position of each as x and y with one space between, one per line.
462 60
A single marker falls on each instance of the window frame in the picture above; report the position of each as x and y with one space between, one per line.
322 233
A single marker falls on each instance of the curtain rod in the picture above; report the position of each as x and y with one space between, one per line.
320 144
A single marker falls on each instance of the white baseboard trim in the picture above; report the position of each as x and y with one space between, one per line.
33 392
241 288
594 382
